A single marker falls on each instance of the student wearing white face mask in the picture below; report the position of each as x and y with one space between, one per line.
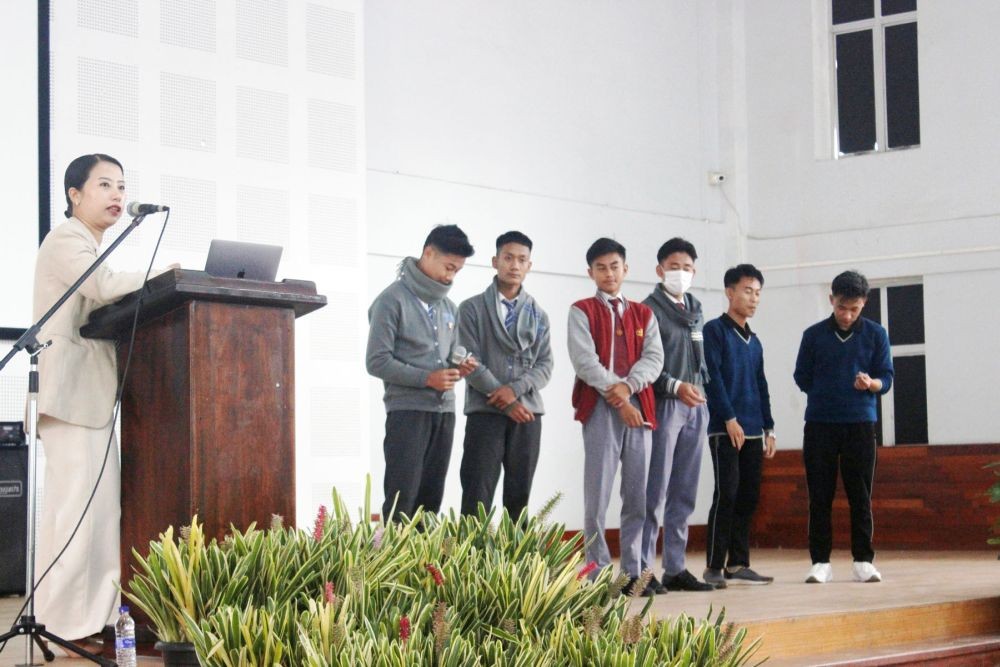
681 415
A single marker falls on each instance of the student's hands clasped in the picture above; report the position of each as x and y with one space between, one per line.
689 395
501 397
520 414
618 394
865 382
630 415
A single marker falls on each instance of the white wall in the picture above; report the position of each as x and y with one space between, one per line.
963 350
932 211
19 171
568 120
565 120
247 118
574 120
19 192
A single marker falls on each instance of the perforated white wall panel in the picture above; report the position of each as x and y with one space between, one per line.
331 37
246 118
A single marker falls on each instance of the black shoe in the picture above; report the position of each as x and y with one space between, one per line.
714 577
685 581
657 587
647 592
744 575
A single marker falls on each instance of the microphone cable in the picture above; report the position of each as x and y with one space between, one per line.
107 450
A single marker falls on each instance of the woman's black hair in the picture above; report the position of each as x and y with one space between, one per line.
78 172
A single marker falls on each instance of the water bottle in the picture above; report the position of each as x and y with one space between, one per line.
125 639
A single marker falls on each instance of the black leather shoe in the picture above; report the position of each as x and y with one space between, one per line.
685 581
657 587
647 592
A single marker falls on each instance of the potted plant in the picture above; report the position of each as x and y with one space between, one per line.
179 579
183 579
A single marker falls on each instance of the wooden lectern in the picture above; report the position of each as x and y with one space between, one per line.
208 409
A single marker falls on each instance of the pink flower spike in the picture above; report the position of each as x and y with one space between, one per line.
436 573
320 523
328 592
404 628
587 569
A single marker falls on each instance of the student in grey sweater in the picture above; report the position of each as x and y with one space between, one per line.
682 418
411 341
509 334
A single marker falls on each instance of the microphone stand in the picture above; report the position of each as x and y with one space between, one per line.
28 626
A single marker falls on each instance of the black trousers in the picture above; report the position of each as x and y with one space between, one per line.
737 490
493 441
849 448
417 449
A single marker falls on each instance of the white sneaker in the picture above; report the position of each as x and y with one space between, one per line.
865 572
820 573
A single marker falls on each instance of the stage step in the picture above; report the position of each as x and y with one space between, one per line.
893 636
968 652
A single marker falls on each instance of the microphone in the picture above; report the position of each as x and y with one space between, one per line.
458 355
135 209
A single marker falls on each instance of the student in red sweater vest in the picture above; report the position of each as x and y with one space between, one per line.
615 348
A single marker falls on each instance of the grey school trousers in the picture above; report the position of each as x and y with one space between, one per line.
672 488
492 442
417 449
606 442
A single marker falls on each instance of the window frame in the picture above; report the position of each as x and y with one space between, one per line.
888 399
877 25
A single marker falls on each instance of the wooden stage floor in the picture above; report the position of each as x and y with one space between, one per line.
911 579
908 578
930 586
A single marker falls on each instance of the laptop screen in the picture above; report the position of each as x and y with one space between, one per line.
235 259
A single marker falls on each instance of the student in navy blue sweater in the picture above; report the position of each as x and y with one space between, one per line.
740 428
843 362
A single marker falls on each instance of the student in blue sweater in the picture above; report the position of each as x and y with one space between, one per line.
740 428
843 362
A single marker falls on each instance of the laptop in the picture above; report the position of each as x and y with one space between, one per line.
235 259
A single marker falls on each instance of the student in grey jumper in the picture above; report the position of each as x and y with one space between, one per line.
682 418
411 341
615 349
509 334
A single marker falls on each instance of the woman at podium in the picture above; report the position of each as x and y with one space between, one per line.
77 388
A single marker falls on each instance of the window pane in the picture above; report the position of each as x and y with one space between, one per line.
906 314
845 11
902 99
898 6
873 307
910 400
855 92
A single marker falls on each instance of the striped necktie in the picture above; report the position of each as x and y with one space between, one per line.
511 317
619 355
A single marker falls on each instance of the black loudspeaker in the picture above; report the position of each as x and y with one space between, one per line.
13 518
